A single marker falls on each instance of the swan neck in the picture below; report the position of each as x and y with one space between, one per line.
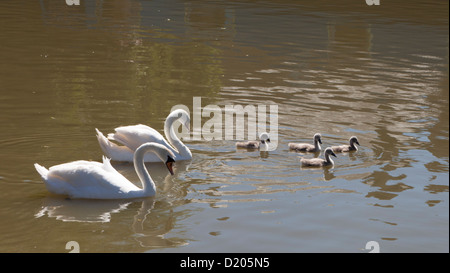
172 137
148 186
317 145
328 158
264 146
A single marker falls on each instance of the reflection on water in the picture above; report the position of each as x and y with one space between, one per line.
380 73
149 229
68 210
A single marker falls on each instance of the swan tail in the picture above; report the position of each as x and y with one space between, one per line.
111 136
122 139
107 164
105 144
112 150
43 172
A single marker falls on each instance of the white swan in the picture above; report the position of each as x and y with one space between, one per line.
135 135
95 180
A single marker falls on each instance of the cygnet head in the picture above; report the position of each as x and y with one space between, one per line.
329 151
318 138
353 139
264 137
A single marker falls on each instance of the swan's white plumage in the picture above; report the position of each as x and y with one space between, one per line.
133 136
95 180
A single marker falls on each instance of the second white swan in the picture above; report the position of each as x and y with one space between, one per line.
131 137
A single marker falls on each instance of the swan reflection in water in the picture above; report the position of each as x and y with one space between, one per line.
153 219
81 210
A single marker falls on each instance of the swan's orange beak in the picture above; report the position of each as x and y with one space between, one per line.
169 164
169 167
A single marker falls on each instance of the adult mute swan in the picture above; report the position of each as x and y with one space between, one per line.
135 135
95 180
319 162
347 148
262 144
306 147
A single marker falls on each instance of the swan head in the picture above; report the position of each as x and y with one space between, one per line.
169 164
318 138
353 139
264 137
167 157
329 151
160 150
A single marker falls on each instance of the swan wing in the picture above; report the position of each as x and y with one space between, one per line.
87 179
300 146
121 152
312 161
112 150
341 148
134 136
248 144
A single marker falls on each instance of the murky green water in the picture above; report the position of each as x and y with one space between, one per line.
341 69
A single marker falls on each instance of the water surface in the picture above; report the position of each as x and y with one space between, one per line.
377 72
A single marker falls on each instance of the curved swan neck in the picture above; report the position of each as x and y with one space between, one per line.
172 137
263 146
328 154
328 158
169 131
317 145
352 144
148 186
